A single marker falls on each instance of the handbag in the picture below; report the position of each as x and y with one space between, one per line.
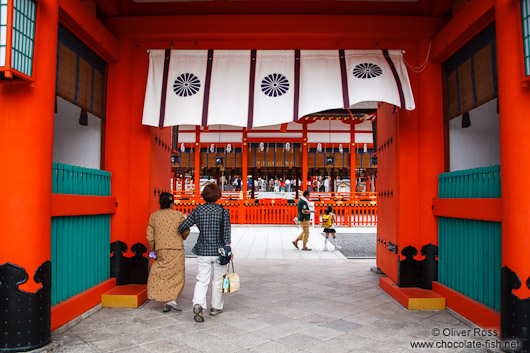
230 282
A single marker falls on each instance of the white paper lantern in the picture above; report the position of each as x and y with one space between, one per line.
319 147
182 147
229 148
287 146
340 148
212 148
261 146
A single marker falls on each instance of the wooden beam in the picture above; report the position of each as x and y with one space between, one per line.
260 27
109 7
472 310
79 303
79 20
441 7
479 209
78 205
467 23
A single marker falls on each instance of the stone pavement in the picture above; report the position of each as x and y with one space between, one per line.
289 302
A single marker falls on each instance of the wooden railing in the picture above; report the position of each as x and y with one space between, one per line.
281 211
356 197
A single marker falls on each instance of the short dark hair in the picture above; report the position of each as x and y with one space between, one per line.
211 192
166 200
306 193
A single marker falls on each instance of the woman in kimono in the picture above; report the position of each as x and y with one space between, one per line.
166 278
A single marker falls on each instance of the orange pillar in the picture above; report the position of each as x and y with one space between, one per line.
244 180
197 168
244 183
514 105
352 168
305 147
26 145
118 141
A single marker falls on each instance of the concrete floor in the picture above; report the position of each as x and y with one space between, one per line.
290 301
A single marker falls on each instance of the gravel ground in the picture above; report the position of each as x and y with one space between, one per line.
357 244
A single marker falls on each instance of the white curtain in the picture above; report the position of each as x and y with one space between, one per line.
217 90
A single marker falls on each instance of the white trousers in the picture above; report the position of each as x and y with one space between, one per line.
205 265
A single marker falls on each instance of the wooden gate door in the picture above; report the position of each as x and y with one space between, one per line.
387 200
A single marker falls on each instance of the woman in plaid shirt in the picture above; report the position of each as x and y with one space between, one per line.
208 218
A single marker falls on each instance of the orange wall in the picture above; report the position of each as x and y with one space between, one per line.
118 140
138 164
26 138
420 182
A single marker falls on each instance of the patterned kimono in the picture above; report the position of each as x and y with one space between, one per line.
166 278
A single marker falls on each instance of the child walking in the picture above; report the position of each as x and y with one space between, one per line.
328 221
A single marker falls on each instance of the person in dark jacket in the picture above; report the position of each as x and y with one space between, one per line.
208 218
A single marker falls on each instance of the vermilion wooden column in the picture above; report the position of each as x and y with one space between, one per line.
197 169
197 162
514 105
352 167
352 157
244 184
26 145
305 147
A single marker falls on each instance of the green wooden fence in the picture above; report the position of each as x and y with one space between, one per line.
471 183
80 245
68 179
469 251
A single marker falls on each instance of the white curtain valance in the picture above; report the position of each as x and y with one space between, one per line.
253 88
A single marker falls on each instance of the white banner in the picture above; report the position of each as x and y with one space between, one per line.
320 81
370 78
153 90
274 87
185 87
326 82
229 88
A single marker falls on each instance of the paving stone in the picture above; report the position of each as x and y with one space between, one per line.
299 340
341 325
302 303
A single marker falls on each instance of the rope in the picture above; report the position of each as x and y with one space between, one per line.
419 69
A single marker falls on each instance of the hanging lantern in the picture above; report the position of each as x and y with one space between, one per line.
340 148
212 148
287 146
319 147
365 148
182 147
229 148
17 38
261 146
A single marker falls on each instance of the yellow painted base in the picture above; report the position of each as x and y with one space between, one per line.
426 304
413 298
128 296
119 301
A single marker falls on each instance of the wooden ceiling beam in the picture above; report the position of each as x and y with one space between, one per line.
110 8
259 27
441 7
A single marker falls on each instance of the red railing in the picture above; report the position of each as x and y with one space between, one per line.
280 211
